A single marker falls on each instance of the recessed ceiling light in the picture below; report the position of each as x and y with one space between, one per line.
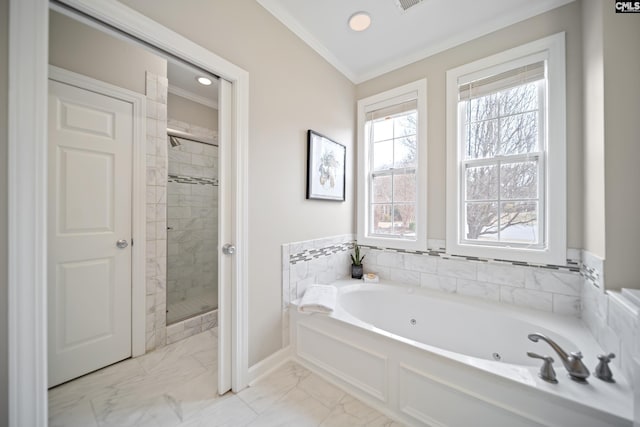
359 21
205 81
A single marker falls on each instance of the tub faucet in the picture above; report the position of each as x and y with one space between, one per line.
572 362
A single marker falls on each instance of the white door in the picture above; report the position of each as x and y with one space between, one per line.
89 231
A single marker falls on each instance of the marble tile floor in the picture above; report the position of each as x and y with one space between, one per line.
176 386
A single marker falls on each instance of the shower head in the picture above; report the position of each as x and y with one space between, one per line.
174 141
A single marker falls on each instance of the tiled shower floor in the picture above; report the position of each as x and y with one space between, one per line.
176 386
193 305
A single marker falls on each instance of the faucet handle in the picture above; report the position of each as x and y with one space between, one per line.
576 355
602 370
547 372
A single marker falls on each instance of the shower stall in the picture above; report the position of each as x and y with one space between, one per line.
192 225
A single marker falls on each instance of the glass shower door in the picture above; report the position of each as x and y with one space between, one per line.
192 237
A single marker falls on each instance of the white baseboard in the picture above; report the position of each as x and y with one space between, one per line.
270 364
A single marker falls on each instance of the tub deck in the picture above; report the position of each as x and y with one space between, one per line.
425 385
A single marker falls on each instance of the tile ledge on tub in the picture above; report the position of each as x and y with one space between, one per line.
627 300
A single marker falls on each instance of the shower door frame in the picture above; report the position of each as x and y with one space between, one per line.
27 191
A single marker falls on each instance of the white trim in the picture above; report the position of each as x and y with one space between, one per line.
415 90
27 212
178 91
556 165
225 262
28 74
270 364
138 193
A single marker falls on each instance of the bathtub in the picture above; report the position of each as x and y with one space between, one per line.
429 358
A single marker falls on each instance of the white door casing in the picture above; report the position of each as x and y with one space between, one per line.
225 218
89 275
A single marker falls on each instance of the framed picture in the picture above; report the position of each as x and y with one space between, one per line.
325 168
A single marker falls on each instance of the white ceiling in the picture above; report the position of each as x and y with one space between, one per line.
182 82
396 38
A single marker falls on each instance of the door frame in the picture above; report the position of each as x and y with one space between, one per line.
27 190
138 189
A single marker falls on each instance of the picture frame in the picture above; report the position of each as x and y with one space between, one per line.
326 163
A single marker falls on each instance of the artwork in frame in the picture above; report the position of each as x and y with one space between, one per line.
325 168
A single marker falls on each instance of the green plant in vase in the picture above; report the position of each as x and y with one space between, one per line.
356 263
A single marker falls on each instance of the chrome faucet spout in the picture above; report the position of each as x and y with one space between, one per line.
572 362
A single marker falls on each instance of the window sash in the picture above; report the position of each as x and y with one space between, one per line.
404 107
540 199
465 124
487 86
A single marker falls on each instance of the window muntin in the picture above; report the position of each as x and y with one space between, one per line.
501 121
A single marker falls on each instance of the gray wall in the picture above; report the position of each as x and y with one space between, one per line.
621 148
292 89
611 111
593 117
84 50
185 110
4 39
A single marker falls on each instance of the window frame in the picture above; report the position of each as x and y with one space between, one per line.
552 157
416 90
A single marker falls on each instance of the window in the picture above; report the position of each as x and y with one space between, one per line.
392 168
506 155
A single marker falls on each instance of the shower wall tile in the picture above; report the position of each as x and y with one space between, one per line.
192 214
156 159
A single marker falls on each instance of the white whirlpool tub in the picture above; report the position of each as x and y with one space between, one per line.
428 358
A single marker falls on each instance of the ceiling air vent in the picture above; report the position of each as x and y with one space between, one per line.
405 5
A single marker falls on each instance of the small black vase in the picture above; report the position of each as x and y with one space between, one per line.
356 271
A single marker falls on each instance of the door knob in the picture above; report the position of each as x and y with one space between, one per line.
122 243
228 249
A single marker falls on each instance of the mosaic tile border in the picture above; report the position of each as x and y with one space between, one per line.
573 266
311 254
181 179
591 275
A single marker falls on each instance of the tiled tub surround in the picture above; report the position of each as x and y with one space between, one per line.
410 351
574 289
613 317
542 287
192 213
156 199
549 288
312 261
